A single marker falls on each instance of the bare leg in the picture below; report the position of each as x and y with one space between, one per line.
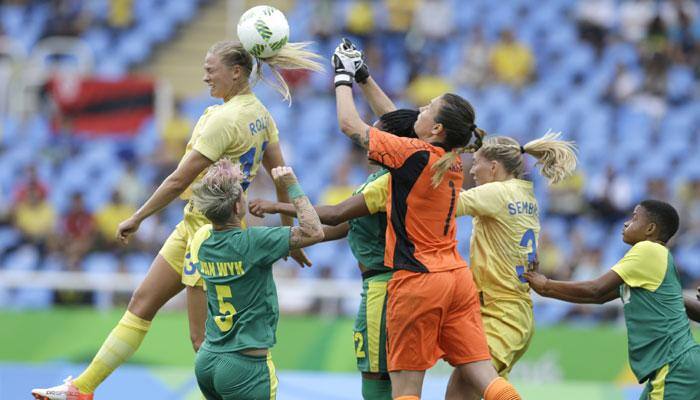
458 389
406 383
161 284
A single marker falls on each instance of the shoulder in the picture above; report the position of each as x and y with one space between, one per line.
648 248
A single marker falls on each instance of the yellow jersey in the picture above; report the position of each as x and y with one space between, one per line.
504 236
239 129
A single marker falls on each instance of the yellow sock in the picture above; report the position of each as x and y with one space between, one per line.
121 343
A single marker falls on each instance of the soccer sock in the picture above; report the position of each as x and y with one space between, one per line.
501 389
407 398
121 343
376 389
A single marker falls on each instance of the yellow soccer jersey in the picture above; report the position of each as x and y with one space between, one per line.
239 130
504 237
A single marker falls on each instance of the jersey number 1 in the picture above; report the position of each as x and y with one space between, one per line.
226 310
527 239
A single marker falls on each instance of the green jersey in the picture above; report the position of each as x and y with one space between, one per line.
236 265
367 235
658 331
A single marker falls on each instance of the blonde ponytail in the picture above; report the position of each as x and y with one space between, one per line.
290 56
556 158
444 163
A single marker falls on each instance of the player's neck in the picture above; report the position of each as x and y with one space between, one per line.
236 91
233 223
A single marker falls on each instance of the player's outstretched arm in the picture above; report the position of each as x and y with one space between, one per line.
331 233
598 291
352 207
272 157
309 230
692 306
176 183
348 118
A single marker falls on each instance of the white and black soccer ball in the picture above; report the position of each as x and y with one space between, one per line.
263 31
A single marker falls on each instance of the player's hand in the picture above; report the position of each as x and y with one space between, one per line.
283 176
537 281
345 63
534 265
361 71
260 207
300 257
127 228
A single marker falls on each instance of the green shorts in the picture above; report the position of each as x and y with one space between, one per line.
370 325
677 380
224 376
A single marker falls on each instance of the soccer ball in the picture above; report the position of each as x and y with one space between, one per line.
263 30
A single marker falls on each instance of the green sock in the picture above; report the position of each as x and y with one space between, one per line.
376 389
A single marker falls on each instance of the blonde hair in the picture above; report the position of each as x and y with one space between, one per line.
445 162
556 158
290 56
218 191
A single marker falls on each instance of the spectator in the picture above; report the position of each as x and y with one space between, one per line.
611 196
595 19
78 233
35 218
31 182
426 86
566 198
474 66
512 62
121 16
360 19
400 16
433 24
109 217
68 18
340 189
623 85
130 186
635 16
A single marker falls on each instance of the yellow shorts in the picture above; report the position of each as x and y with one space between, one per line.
509 325
175 250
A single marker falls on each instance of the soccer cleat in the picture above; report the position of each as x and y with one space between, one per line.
66 391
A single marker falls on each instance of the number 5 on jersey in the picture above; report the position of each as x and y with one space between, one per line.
226 310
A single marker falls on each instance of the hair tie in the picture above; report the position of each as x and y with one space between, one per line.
522 150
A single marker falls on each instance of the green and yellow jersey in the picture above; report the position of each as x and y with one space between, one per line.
367 235
658 331
236 266
504 236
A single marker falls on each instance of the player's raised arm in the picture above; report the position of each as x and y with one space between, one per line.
309 230
272 158
352 207
377 99
597 291
348 118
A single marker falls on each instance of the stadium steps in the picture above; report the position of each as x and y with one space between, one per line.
180 61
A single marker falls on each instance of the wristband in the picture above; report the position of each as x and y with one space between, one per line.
294 191
343 79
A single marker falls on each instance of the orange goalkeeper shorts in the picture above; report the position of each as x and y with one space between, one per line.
431 316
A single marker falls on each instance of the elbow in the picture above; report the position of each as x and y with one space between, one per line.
598 294
345 125
333 219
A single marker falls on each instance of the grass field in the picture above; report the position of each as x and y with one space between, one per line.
314 356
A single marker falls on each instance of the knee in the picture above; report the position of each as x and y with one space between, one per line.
142 304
